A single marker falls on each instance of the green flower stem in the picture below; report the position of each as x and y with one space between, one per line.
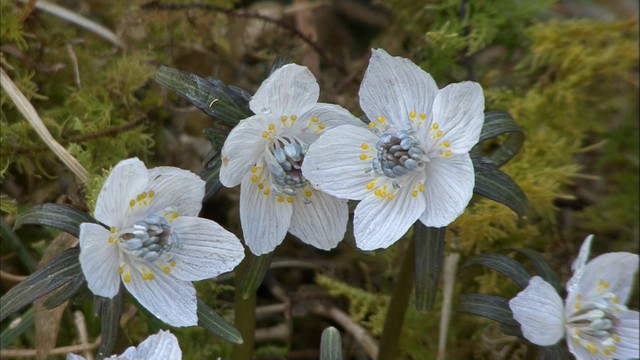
397 307
245 317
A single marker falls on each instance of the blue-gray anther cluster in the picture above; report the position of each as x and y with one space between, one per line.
286 170
596 319
398 153
149 238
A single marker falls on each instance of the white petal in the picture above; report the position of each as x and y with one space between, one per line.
459 112
265 220
322 117
322 222
290 90
163 345
581 353
380 222
578 268
206 249
540 312
448 189
244 146
99 260
127 179
177 188
629 332
71 356
603 275
171 300
338 161
393 87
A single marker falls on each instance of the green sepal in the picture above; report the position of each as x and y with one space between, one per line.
493 307
540 265
63 269
429 251
228 104
9 334
497 123
61 217
502 264
217 325
254 273
110 311
494 184
330 344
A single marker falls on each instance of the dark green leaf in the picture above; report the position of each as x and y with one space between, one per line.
110 311
498 186
61 270
553 352
254 273
65 292
429 248
330 344
217 325
211 174
493 307
17 328
212 96
502 264
542 267
497 123
279 62
18 246
62 217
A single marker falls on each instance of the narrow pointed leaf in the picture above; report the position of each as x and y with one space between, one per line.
493 307
498 186
18 246
502 264
110 311
65 292
542 267
212 96
279 62
16 329
60 271
61 217
497 123
217 325
211 174
330 344
254 273
429 250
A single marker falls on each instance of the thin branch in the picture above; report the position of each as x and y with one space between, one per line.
155 5
12 353
109 132
79 20
11 277
29 112
448 282
83 334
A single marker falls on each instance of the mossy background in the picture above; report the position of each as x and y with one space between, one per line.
567 71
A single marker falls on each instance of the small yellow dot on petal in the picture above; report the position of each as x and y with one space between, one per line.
111 240
265 134
372 125
127 278
132 202
423 117
412 114
364 146
283 119
272 127
435 125
321 126
166 269
364 157
308 193
293 118
113 229
591 348
314 119
267 191
290 199
173 263
254 178
381 119
152 194
280 198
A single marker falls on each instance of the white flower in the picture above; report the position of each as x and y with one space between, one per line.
413 163
162 345
594 319
264 154
156 243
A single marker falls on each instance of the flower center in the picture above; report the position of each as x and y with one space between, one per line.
285 161
398 153
594 324
149 238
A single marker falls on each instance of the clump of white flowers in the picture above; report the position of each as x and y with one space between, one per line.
163 345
